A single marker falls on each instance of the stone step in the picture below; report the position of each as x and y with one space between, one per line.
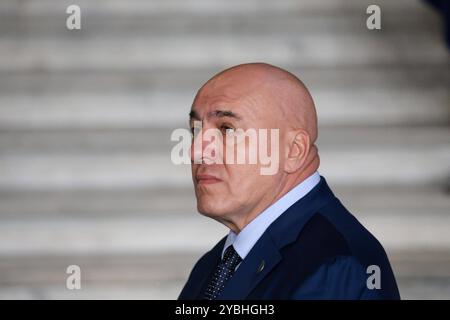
378 156
131 98
153 291
392 79
420 275
106 23
190 231
157 140
160 202
79 235
170 108
348 166
192 7
319 50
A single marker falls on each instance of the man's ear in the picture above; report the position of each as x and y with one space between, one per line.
297 149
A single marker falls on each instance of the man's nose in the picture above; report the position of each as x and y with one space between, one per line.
204 151
197 147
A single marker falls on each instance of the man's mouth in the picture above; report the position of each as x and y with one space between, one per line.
206 179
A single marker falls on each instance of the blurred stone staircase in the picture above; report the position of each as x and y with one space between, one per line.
86 118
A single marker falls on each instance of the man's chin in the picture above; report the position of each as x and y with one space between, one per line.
210 211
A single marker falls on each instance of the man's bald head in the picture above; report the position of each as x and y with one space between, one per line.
288 94
253 96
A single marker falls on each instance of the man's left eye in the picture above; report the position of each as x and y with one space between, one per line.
225 129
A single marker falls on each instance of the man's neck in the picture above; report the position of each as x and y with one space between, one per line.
240 221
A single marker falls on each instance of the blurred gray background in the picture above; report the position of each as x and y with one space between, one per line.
86 117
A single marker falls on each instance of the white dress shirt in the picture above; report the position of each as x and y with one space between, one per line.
244 241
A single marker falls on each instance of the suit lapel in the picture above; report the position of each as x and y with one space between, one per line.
258 263
265 255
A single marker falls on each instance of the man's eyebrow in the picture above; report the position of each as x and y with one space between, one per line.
215 113
224 113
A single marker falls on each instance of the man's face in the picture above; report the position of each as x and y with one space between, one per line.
229 189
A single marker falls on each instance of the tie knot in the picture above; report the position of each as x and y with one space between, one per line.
231 258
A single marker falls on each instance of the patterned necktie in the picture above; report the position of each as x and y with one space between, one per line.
223 273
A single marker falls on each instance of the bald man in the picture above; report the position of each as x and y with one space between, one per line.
290 237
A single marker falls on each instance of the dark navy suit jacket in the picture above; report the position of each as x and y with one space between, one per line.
315 250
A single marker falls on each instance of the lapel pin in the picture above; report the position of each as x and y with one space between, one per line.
261 266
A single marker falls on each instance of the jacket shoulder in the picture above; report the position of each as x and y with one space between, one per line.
329 261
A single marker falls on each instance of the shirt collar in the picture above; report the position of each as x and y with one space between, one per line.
246 239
